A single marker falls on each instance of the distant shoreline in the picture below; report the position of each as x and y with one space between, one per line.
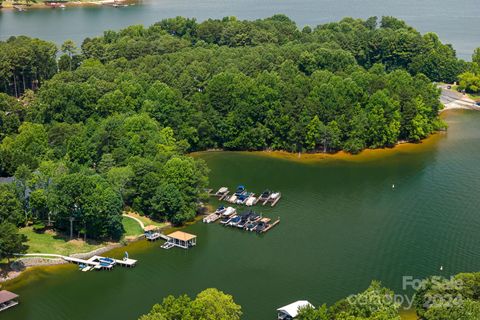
10 5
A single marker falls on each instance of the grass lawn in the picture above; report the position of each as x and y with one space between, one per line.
132 228
51 242
146 220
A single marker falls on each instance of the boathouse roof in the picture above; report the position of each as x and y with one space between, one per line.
150 228
293 308
183 236
6 296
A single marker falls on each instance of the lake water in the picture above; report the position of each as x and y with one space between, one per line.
456 22
342 225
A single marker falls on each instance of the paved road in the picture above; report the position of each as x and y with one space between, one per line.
453 99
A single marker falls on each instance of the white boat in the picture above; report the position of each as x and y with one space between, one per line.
229 211
211 218
250 201
232 199
275 195
222 190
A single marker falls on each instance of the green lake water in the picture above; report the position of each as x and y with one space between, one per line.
342 225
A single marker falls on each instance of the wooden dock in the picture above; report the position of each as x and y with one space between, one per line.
271 226
276 200
271 200
95 262
212 217
224 196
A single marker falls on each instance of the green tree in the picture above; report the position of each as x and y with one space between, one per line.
28 147
11 209
469 82
22 176
87 204
11 242
309 313
210 304
69 47
376 303
476 56
313 133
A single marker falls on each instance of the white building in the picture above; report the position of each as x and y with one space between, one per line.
290 311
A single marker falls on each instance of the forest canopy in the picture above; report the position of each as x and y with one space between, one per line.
90 130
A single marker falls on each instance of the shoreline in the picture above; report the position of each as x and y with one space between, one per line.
29 262
315 157
9 5
401 147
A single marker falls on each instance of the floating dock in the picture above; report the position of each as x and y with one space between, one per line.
99 262
270 226
273 199
250 221
212 217
242 197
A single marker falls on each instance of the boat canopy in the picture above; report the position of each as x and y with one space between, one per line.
292 309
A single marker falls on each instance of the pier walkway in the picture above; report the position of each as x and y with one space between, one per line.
94 261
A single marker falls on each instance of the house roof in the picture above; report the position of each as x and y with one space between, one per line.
150 228
7 296
179 235
292 308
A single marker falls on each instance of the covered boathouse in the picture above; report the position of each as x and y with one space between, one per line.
7 299
182 239
291 310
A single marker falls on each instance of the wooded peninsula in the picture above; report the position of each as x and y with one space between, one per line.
92 131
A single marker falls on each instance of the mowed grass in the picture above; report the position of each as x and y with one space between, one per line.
52 242
132 228
146 220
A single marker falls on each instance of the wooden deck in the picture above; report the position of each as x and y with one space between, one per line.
271 226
